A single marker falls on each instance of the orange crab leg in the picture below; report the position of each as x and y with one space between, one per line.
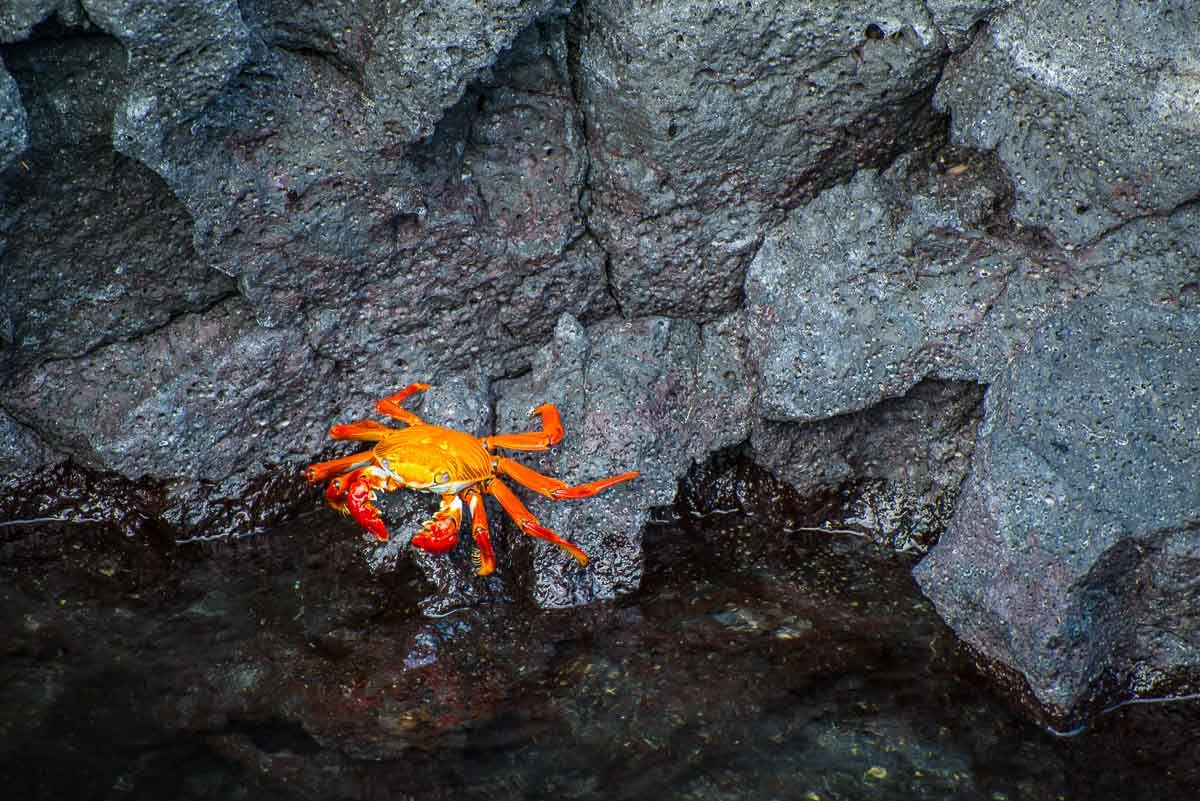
527 522
554 489
479 531
392 408
322 470
440 534
551 433
364 430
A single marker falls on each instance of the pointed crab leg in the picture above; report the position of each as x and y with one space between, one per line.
527 522
440 533
479 531
551 433
320 471
392 408
364 430
554 489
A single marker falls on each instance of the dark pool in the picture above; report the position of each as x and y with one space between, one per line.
752 665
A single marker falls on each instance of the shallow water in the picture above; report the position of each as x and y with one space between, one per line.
750 666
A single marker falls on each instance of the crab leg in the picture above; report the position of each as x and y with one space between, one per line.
554 489
364 430
551 433
392 408
322 470
527 522
479 530
440 533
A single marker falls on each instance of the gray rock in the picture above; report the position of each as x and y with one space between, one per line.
652 395
1152 258
704 122
438 296
1090 105
956 19
287 148
208 398
21 449
96 250
1072 554
18 17
882 282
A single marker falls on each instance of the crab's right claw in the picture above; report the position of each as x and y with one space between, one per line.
440 534
358 497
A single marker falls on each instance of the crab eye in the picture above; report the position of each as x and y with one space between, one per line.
442 478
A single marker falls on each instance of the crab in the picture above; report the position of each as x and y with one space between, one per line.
450 463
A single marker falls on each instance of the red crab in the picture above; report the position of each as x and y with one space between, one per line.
454 464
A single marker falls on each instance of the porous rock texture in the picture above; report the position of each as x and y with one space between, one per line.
813 233
1072 553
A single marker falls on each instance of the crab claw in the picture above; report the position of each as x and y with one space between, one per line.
436 536
440 534
352 494
335 494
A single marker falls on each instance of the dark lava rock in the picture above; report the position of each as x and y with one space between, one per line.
1090 105
706 120
959 19
164 370
893 277
1072 556
97 249
14 135
653 395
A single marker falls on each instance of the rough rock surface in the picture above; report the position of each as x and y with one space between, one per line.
786 97
901 462
653 395
1071 556
890 278
97 249
1092 107
14 136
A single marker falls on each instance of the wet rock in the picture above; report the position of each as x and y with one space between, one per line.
1091 107
1076 538
130 318
705 122
902 462
196 401
891 278
21 449
279 667
653 395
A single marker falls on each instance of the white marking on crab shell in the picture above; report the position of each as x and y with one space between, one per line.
452 487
